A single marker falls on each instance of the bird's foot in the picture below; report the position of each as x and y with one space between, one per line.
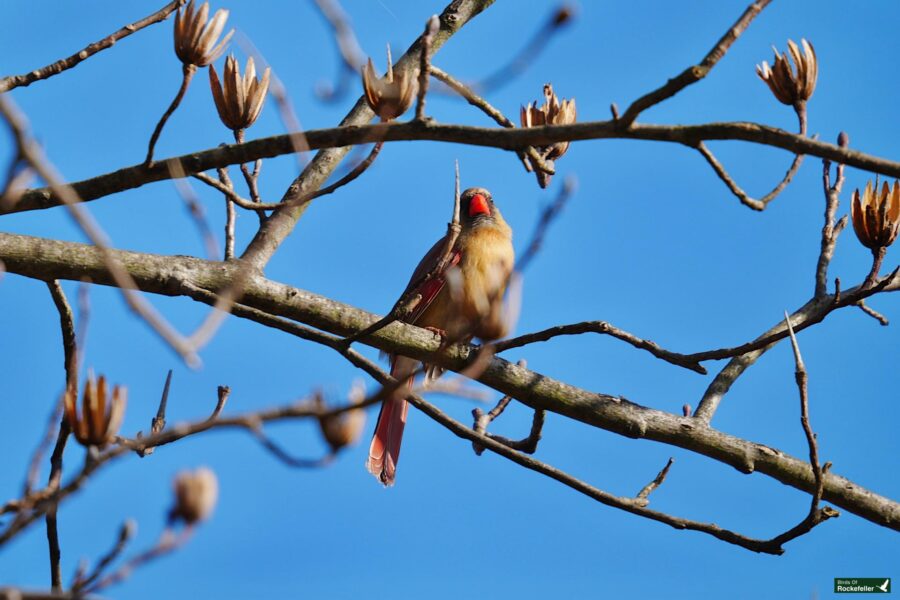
439 333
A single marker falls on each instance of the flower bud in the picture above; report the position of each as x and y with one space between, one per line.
789 85
196 493
100 416
552 112
876 215
240 100
195 39
389 97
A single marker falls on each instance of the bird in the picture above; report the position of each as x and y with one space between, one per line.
462 302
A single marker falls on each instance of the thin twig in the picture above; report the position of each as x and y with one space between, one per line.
17 181
168 542
251 178
694 73
230 214
244 203
562 15
534 159
815 515
14 81
34 465
455 387
67 326
482 419
528 444
195 209
550 213
84 319
126 532
741 195
286 457
158 423
602 327
70 350
883 320
352 57
830 231
188 71
643 496
227 189
431 28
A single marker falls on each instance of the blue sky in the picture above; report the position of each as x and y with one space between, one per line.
651 242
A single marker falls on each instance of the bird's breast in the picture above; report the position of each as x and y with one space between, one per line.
487 261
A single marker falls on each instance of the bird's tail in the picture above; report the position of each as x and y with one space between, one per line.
385 449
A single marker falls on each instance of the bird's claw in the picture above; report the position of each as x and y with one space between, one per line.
441 334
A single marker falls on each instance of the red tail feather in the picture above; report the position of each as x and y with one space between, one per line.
385 449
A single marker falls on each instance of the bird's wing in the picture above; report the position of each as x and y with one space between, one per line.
430 289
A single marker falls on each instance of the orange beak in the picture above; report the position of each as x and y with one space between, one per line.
479 206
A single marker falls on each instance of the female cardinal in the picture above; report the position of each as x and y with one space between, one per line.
463 302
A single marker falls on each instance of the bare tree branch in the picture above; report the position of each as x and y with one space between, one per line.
741 195
69 197
694 73
830 231
174 276
70 350
282 221
14 81
339 140
643 496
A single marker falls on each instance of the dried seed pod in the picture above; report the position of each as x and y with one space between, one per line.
344 429
100 417
791 85
240 100
195 38
196 493
876 215
391 96
552 112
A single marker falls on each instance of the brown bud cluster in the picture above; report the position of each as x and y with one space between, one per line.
795 84
196 493
389 97
100 416
344 429
195 38
240 99
552 112
876 215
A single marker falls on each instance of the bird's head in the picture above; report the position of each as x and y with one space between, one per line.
476 207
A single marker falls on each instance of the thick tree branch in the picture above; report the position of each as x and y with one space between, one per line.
176 276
